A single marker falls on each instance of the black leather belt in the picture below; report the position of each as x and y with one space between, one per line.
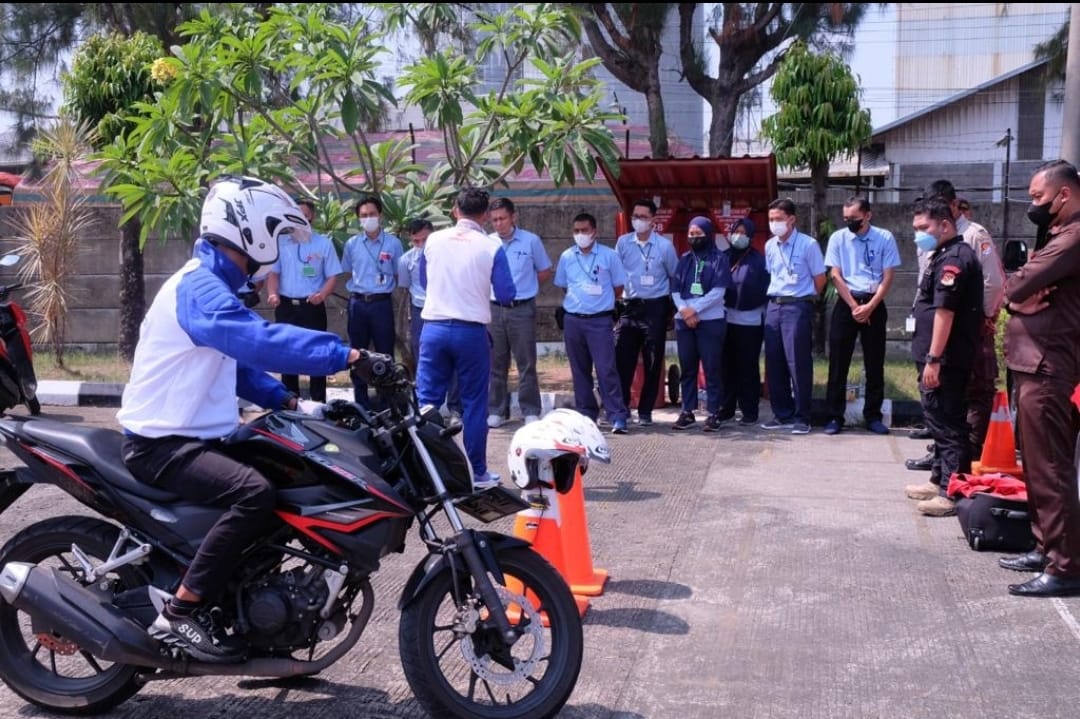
609 313
377 297
296 301
513 303
789 300
862 297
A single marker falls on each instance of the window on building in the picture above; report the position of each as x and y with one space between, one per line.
1031 122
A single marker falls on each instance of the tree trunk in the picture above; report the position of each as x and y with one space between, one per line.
658 140
819 176
132 289
725 108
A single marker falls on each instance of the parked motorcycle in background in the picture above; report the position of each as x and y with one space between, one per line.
18 383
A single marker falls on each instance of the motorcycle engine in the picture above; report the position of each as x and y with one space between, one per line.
282 610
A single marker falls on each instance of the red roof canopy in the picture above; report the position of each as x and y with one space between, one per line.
696 183
9 180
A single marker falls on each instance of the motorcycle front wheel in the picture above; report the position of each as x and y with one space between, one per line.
457 664
46 668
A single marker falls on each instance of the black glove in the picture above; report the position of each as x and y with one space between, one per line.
560 316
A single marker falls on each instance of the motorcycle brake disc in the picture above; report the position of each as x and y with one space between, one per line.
494 673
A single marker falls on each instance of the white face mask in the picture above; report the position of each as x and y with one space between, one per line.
641 226
370 224
740 241
582 240
778 227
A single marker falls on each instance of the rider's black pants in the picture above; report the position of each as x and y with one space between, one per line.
197 471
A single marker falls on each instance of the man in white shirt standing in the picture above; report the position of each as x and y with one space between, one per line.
460 270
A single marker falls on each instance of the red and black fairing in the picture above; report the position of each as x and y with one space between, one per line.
330 485
16 354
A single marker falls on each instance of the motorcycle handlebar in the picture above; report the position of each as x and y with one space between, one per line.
375 369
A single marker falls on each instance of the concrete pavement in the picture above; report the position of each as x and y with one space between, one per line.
752 574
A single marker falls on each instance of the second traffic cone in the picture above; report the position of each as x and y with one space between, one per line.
999 447
577 551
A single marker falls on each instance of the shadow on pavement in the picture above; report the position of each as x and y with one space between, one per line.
646 620
619 492
649 588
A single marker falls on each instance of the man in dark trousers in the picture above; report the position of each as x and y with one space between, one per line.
1042 347
948 326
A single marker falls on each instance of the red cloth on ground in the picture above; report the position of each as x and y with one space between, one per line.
1001 485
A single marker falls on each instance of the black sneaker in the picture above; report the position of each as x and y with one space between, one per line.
685 421
713 423
196 635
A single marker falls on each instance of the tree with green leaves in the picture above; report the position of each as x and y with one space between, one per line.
626 38
818 120
745 36
109 74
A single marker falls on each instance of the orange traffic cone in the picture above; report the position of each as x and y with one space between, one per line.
540 526
999 448
577 551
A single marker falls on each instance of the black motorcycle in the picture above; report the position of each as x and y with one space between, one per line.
488 627
18 381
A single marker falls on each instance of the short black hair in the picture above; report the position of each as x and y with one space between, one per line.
644 202
368 200
962 204
859 202
936 208
585 217
502 203
785 205
940 188
472 201
1060 172
306 202
419 224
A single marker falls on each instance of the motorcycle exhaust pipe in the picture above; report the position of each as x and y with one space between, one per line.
59 604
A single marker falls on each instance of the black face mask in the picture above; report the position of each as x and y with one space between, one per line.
854 226
1040 215
697 244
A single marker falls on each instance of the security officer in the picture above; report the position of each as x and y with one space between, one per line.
649 260
948 326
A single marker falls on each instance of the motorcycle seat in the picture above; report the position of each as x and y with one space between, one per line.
98 447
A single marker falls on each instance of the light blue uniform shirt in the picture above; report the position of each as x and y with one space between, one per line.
304 267
793 265
649 267
373 263
862 259
589 279
525 251
408 276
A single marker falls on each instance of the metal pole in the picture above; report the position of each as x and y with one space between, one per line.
1070 130
1005 209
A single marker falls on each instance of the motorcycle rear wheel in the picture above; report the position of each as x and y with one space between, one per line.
457 673
49 670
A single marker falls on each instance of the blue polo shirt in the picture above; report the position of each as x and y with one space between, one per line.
589 278
372 262
649 267
793 264
409 275
304 267
525 251
862 259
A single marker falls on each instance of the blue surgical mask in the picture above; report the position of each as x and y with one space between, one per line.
925 241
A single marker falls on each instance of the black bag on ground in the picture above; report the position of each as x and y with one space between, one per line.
992 522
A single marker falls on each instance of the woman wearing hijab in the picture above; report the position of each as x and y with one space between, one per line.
701 280
745 304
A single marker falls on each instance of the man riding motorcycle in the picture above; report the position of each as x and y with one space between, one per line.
199 349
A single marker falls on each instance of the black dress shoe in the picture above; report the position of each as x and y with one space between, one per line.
1033 561
1047 585
923 464
923 433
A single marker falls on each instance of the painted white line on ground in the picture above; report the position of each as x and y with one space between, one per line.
1067 616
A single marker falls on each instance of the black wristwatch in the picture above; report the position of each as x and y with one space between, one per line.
932 359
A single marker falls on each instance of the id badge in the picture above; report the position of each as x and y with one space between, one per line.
646 280
381 279
794 277
696 289
594 289
309 271
909 324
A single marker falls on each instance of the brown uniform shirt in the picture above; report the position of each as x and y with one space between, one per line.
1048 342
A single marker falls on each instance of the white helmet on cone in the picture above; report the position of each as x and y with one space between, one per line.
546 453
250 215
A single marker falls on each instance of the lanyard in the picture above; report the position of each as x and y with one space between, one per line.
790 261
591 271
645 255
700 265
868 254
375 257
299 257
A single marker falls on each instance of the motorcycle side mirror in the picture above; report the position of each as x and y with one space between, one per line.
1015 255
9 260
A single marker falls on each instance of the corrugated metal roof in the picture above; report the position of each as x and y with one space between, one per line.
697 183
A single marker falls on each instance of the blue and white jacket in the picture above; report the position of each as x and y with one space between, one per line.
200 347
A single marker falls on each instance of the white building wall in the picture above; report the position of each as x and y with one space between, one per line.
944 48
